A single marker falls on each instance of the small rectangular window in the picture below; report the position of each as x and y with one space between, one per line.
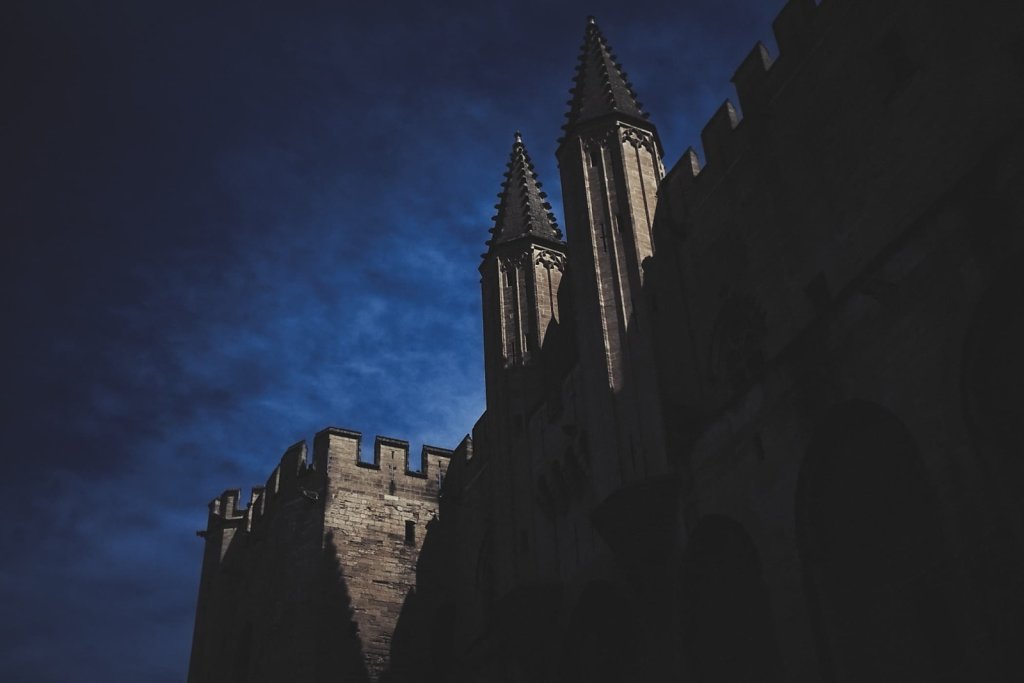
410 532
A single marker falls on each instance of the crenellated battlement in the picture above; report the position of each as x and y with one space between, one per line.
794 27
337 451
717 138
291 476
390 456
758 80
751 78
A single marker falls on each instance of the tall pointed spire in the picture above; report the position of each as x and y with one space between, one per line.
523 209
600 86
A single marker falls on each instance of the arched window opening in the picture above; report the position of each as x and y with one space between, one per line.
992 384
727 632
599 646
870 542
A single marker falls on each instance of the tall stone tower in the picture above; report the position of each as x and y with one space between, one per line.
520 277
611 164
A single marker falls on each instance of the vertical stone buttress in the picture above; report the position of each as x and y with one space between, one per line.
611 166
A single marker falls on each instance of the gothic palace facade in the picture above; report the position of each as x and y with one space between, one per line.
756 419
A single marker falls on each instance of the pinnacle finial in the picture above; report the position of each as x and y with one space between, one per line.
523 210
600 86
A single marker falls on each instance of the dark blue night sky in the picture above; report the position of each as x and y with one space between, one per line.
227 225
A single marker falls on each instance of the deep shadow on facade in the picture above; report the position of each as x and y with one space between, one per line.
756 420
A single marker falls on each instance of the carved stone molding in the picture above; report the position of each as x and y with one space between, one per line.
550 259
512 263
638 138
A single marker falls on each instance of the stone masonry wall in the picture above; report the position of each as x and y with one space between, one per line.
832 250
261 613
375 519
308 582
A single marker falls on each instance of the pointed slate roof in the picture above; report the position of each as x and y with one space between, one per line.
600 86
523 210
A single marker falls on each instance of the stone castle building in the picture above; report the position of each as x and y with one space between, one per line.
752 420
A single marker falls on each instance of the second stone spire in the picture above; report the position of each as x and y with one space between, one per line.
523 209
